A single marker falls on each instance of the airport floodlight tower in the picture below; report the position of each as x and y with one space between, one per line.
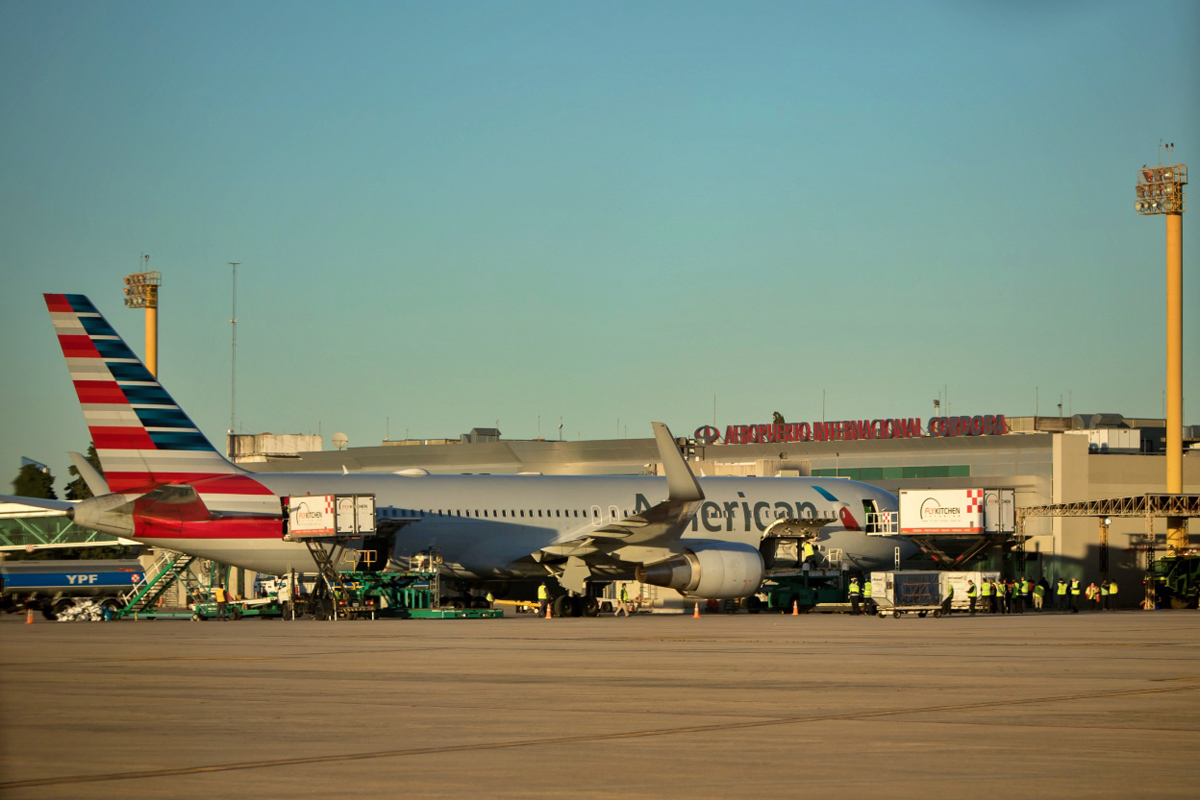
1160 191
141 291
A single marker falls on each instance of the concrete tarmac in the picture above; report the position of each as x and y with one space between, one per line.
1090 705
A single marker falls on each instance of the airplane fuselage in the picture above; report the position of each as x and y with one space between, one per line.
485 526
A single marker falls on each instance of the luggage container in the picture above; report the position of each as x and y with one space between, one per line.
900 592
959 581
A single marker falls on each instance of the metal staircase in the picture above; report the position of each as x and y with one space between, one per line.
162 575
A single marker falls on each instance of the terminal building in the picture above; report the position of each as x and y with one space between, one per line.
1044 460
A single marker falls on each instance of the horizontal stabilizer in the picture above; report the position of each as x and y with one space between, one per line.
38 502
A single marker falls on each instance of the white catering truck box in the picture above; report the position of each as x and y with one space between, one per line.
322 515
956 511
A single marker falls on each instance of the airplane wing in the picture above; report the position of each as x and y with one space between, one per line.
656 528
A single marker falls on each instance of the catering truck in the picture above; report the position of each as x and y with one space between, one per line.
956 511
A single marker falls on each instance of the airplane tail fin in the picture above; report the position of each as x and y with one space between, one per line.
142 436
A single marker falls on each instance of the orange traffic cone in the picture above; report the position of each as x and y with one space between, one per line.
795 608
29 616
547 610
696 613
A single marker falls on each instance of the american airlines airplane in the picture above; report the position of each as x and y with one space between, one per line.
165 485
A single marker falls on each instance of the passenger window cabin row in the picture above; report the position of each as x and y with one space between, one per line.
504 513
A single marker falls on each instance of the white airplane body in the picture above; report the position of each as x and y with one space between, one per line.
165 485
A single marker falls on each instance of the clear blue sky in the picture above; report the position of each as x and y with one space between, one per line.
453 214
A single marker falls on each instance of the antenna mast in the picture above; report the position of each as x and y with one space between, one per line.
233 353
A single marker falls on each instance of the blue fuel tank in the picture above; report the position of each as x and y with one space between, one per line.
70 578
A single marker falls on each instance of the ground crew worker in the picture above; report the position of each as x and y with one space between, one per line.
985 590
1103 595
946 600
1060 594
868 602
622 602
491 598
1112 594
222 598
810 555
1092 593
1039 596
543 599
972 595
855 593
1074 595
1022 594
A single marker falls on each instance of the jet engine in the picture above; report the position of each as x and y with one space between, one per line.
708 569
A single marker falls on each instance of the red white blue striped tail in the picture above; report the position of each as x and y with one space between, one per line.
143 438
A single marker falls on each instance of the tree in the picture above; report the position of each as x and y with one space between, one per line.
34 482
78 488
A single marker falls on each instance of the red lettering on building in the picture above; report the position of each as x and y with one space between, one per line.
857 430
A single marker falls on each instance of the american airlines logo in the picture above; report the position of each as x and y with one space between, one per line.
746 514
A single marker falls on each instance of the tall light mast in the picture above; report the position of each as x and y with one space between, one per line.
141 291
1160 191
